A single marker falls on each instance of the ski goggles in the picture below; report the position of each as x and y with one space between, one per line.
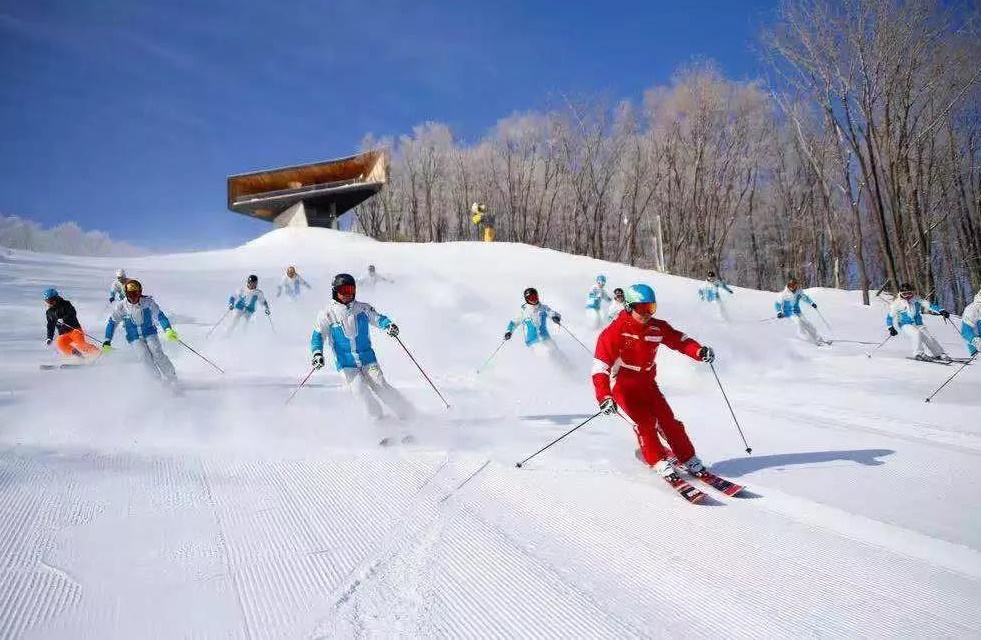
531 298
644 308
906 295
346 290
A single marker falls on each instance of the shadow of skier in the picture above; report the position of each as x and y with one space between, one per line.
735 467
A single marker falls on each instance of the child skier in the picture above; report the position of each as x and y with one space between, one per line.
116 291
534 316
139 314
245 300
372 278
906 315
616 306
788 306
291 283
61 317
594 300
344 325
625 377
971 325
709 292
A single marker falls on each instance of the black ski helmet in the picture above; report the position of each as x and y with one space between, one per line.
711 274
371 268
529 292
252 280
618 292
340 280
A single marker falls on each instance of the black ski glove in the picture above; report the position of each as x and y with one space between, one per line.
814 304
48 342
318 360
893 332
780 314
507 335
392 330
706 354
608 406
944 314
557 319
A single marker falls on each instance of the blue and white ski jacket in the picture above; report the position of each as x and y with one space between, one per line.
788 302
137 319
614 310
116 291
291 286
246 299
345 326
903 312
597 294
971 324
534 318
709 292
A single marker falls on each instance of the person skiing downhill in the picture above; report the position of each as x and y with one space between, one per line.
344 325
291 283
116 289
62 318
595 298
372 278
139 315
971 325
710 292
616 306
245 301
788 306
906 315
625 378
533 317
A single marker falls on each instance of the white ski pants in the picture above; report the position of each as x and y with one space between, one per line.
806 330
152 355
239 316
369 385
550 351
594 317
922 340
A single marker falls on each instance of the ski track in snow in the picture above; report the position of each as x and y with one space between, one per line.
127 513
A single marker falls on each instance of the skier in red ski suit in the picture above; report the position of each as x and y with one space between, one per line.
625 376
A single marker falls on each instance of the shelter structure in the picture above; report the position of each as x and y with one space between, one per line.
309 195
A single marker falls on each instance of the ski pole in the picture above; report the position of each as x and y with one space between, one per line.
824 320
189 348
401 344
488 360
963 366
87 335
868 354
581 424
576 339
749 449
300 386
271 324
224 315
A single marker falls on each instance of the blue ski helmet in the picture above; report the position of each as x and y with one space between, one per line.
50 293
601 279
639 293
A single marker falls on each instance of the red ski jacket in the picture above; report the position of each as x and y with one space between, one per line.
626 349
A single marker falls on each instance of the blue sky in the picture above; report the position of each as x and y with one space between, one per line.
127 115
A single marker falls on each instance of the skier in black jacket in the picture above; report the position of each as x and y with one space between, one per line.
63 319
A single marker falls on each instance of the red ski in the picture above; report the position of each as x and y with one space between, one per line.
727 487
676 482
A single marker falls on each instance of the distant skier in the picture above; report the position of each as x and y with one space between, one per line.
139 315
116 290
245 301
533 317
710 292
62 318
291 283
616 306
906 315
971 325
595 298
788 306
625 377
372 278
344 325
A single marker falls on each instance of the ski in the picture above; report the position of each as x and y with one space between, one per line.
933 360
66 365
388 440
727 487
685 489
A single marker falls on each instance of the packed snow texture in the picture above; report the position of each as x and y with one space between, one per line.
128 512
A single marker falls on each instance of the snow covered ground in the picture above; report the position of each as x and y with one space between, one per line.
126 512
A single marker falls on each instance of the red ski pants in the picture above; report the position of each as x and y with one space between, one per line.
645 405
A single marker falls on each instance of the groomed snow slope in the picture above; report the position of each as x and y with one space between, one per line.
128 513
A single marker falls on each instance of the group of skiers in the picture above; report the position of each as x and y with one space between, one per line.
624 373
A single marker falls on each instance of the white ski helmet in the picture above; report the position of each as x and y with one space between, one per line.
120 273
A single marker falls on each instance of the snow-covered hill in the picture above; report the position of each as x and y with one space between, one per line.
128 513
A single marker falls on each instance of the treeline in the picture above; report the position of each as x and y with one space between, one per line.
66 238
857 165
